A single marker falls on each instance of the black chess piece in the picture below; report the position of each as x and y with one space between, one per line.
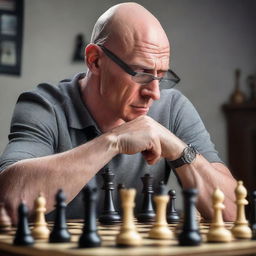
60 233
253 215
90 237
147 213
190 235
109 215
23 235
172 216
161 189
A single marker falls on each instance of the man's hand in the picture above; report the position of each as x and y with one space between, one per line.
154 141
145 135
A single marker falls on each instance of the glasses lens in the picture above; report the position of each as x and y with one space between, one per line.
169 80
142 78
166 84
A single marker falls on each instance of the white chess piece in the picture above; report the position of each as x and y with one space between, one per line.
40 230
241 228
160 230
217 231
128 235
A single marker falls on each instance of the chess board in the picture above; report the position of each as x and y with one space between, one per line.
150 247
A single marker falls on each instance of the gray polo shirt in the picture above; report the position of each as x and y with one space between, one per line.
53 119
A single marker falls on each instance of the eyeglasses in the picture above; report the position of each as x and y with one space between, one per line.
169 80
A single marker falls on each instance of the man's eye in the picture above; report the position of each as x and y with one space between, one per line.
161 73
141 70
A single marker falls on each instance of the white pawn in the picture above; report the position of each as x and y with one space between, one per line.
40 230
161 230
217 231
128 235
241 228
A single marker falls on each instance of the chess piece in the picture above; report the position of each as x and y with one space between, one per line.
5 220
40 230
179 226
241 228
172 216
23 234
90 237
60 233
109 215
253 215
128 235
237 97
217 231
147 213
190 235
160 229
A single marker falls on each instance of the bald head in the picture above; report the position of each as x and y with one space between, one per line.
127 26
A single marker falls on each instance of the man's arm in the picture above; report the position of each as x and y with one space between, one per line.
69 170
199 174
74 168
206 177
31 163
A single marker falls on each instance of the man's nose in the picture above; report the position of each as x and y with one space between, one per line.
151 90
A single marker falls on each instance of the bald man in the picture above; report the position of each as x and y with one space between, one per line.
117 115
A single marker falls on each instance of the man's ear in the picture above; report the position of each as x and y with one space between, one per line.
92 58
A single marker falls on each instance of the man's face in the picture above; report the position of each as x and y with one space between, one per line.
124 98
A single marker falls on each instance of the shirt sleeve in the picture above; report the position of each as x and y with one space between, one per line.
186 124
33 130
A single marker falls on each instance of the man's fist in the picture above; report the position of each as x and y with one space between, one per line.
145 135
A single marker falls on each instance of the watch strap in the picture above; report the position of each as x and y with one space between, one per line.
183 159
177 163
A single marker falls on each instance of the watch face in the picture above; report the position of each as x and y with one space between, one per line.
189 154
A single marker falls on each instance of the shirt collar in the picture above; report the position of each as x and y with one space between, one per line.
77 114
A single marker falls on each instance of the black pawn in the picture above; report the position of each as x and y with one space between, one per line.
172 216
60 233
253 215
190 235
147 213
23 234
109 215
90 237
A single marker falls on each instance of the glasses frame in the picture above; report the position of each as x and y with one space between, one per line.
131 72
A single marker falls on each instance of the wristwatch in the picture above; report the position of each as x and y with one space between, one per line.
188 155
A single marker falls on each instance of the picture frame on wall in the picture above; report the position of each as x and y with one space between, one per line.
11 31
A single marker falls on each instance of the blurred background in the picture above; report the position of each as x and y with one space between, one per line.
210 39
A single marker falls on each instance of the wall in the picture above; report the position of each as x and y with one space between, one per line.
209 40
